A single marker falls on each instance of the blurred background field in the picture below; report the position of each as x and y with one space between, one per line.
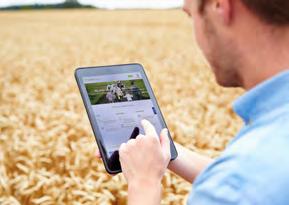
47 149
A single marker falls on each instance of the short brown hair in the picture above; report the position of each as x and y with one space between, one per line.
275 12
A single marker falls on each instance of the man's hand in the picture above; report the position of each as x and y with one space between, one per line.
145 159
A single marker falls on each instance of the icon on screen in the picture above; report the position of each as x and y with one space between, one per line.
154 110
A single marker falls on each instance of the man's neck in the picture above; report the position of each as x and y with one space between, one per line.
266 56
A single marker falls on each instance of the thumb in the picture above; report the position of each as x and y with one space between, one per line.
165 142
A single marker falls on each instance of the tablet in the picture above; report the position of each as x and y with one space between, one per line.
116 99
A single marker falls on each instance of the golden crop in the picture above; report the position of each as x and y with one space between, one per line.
47 150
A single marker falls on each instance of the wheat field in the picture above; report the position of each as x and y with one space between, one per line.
47 149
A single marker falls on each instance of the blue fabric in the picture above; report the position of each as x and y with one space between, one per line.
254 168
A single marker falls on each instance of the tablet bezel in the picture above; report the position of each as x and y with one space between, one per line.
82 72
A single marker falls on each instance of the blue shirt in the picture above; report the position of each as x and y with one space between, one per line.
254 168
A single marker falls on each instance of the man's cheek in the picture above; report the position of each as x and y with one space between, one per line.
199 33
202 42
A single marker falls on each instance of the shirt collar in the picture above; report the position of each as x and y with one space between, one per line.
263 98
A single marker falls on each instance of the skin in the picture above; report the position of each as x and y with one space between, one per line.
243 51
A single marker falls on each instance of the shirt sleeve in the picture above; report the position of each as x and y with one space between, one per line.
217 186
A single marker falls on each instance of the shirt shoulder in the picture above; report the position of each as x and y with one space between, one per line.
252 170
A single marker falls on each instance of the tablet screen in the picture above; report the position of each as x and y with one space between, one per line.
119 103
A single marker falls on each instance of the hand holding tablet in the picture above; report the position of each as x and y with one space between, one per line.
117 98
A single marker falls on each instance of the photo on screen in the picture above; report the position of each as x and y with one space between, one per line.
117 91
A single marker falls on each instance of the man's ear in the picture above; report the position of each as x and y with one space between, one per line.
224 8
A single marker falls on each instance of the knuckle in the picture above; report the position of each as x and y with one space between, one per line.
140 138
151 141
131 142
154 140
122 148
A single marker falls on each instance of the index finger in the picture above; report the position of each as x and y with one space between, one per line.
149 128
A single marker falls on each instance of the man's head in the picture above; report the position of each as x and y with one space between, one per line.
230 31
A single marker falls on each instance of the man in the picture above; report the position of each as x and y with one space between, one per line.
247 44
119 93
128 96
110 97
135 91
